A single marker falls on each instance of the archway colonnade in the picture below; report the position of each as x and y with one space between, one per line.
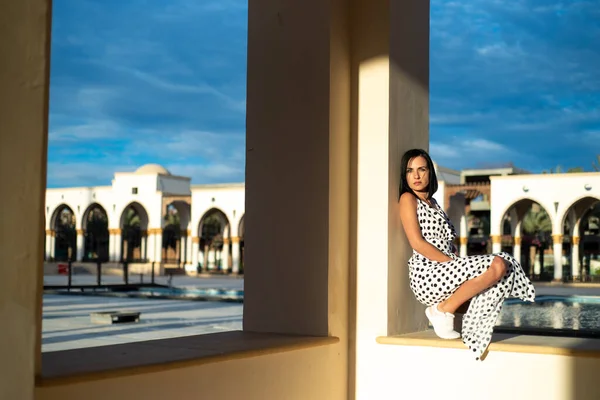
215 245
564 200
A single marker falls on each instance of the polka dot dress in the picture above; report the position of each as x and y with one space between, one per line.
433 282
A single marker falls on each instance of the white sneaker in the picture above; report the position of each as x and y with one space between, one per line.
443 323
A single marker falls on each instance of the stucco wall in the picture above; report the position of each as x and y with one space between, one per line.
545 189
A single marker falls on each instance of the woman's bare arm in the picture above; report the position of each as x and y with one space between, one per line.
408 215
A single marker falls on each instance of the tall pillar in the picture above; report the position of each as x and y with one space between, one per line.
463 246
225 255
112 248
80 245
496 243
517 248
53 245
24 79
49 244
575 267
557 239
464 237
144 245
359 100
188 249
182 247
235 255
158 245
118 245
195 251
150 245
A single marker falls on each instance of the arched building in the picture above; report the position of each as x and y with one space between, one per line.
567 199
148 215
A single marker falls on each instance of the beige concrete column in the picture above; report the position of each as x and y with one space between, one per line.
225 255
80 244
557 239
297 137
25 52
391 74
235 255
575 267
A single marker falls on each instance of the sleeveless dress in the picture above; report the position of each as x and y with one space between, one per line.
433 281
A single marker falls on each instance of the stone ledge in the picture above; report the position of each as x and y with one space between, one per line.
564 346
94 363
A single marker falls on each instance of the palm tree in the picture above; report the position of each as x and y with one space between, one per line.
536 222
132 235
559 170
212 237
596 164
96 235
172 231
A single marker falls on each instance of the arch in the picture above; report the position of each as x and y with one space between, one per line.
522 205
134 225
57 211
218 215
241 234
213 228
242 227
176 219
96 234
184 211
579 206
63 222
138 210
536 234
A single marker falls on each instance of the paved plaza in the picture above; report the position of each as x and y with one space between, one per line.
67 324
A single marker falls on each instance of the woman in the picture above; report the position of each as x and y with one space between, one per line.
438 277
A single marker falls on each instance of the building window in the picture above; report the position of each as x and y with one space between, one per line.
134 190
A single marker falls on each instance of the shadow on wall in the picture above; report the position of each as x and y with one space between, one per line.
584 379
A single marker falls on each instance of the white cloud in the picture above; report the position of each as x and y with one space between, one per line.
443 151
483 145
210 173
65 174
500 50
91 130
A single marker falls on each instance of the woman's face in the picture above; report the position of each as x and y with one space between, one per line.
417 174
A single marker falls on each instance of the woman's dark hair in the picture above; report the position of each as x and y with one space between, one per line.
409 155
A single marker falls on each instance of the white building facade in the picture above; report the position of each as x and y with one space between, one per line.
566 198
134 213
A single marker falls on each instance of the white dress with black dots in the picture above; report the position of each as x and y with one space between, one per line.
433 281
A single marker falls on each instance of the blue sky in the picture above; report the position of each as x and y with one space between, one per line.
140 81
